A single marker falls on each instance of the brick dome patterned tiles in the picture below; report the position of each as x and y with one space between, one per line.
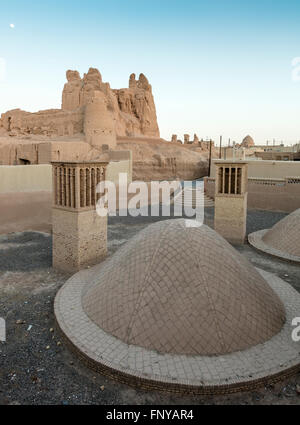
183 290
282 240
177 308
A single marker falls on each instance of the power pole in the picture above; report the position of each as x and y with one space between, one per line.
209 160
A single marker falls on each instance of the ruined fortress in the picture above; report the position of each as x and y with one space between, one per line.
131 111
94 119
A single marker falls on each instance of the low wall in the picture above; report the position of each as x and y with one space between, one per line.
267 194
269 169
62 151
38 178
115 168
274 194
25 178
120 162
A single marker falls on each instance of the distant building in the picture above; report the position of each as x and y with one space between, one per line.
247 142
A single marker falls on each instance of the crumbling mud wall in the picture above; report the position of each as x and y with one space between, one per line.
132 109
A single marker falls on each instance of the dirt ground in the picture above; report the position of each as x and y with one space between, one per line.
36 367
25 211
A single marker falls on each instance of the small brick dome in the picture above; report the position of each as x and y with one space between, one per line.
285 235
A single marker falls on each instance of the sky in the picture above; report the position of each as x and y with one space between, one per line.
217 67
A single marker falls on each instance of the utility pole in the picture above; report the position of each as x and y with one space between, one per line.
220 154
209 160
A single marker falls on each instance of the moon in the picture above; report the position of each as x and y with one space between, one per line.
12 25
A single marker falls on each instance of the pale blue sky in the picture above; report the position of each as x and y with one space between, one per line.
216 67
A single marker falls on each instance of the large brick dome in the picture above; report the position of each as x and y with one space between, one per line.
178 289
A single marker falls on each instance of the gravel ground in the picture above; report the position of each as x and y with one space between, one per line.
36 367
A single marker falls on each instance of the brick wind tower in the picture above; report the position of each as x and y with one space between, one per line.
231 195
79 233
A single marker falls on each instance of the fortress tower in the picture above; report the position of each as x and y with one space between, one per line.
99 127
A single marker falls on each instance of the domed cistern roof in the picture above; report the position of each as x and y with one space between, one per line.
282 240
178 308
183 290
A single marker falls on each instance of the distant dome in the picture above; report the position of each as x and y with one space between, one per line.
182 290
247 142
